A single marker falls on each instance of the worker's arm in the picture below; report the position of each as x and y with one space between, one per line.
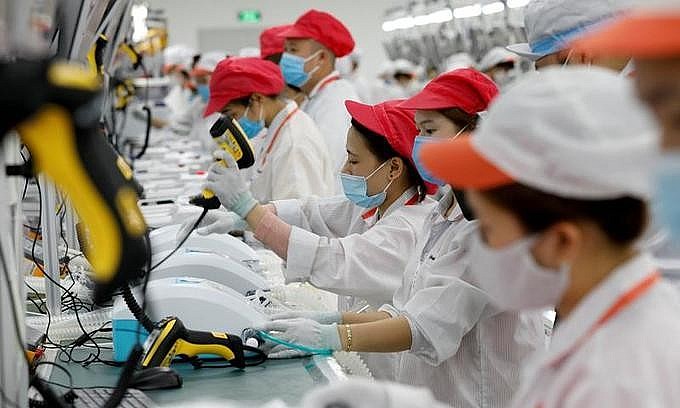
382 336
354 318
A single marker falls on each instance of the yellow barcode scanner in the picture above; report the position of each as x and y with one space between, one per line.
229 136
171 339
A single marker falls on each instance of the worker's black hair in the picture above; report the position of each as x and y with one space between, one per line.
461 118
275 58
507 65
380 148
245 101
622 220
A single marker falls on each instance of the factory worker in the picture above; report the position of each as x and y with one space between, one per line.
384 88
458 60
561 199
292 161
355 245
271 48
465 350
312 44
361 84
651 36
191 120
499 64
551 24
178 60
405 78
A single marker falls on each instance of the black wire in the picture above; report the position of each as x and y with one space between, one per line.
196 224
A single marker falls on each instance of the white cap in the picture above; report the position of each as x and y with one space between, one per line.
551 24
386 68
575 132
180 54
404 66
458 61
210 59
495 56
249 52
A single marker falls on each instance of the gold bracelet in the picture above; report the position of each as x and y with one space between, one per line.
348 330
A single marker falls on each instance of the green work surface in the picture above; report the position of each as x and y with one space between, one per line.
287 380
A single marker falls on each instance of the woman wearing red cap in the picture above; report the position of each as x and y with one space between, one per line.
355 245
292 149
461 347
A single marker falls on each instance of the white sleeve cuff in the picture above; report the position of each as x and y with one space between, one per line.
290 211
390 310
302 247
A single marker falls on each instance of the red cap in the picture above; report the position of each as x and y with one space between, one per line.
238 77
323 28
459 164
271 41
396 125
466 89
643 35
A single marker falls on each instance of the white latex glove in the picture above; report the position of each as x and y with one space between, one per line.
320 317
300 331
229 185
214 222
357 393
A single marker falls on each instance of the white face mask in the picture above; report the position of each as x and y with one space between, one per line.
513 279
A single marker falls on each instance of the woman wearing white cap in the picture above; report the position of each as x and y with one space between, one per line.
461 347
559 178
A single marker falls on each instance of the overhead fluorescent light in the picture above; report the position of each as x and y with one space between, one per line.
493 8
398 24
468 11
436 17
517 3
441 16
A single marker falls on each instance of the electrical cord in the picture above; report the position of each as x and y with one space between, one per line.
184 239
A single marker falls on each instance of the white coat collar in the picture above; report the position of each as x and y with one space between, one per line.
585 315
281 116
321 85
371 216
445 202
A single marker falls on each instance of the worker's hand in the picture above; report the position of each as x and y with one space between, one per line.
214 222
229 185
304 332
319 317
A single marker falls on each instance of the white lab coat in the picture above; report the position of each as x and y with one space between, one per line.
326 106
463 349
342 248
177 100
298 164
633 360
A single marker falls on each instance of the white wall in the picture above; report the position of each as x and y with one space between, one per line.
363 18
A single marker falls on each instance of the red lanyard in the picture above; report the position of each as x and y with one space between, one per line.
275 136
624 301
326 82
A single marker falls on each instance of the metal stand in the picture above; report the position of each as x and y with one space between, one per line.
50 230
13 370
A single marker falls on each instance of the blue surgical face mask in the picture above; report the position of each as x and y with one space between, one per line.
356 189
418 144
668 193
204 92
251 127
293 68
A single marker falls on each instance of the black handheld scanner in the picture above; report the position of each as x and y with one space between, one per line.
231 138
